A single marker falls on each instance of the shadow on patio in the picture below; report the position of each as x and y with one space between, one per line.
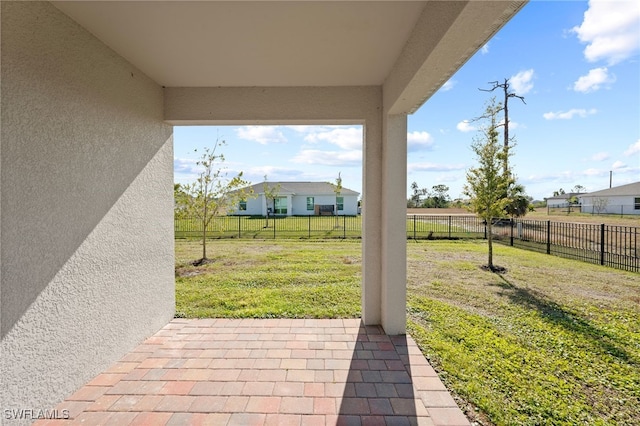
267 372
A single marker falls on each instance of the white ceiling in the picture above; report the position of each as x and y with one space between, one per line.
253 43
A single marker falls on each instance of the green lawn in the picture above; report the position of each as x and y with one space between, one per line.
269 279
552 341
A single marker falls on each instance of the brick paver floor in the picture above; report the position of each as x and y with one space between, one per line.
266 372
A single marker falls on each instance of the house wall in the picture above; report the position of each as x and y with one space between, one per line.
298 205
254 207
614 205
557 202
86 200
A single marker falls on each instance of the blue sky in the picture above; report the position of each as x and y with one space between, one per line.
577 64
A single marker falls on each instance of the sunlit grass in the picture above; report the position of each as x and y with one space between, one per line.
284 279
552 341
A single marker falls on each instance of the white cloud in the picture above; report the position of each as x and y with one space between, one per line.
594 80
633 149
618 165
432 167
610 29
186 168
262 134
522 83
448 85
594 172
465 126
568 115
600 156
349 138
417 141
329 158
512 124
485 49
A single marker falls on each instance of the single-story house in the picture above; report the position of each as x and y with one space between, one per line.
561 200
624 199
298 199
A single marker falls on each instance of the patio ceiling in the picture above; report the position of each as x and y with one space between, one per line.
415 45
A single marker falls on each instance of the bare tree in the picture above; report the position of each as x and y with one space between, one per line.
600 205
505 106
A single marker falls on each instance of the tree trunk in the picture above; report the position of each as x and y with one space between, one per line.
204 233
490 241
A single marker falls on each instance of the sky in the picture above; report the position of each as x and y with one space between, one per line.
577 65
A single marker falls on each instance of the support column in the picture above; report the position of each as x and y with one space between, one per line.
372 221
394 213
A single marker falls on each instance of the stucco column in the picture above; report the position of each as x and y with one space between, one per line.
394 211
372 221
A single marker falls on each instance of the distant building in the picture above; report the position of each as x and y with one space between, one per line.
624 199
561 200
299 199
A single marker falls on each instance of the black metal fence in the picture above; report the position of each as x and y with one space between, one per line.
418 227
615 246
610 245
595 210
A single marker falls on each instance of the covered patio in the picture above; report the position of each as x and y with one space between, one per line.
266 372
90 92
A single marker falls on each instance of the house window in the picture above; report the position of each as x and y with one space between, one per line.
280 205
636 203
310 203
242 206
340 203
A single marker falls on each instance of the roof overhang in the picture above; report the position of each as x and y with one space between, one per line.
410 48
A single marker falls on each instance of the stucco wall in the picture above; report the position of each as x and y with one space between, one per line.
612 205
87 197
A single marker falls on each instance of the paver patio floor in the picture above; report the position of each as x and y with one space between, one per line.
267 372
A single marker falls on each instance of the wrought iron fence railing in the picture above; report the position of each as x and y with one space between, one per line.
610 245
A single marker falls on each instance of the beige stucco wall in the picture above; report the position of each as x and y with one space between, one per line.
86 201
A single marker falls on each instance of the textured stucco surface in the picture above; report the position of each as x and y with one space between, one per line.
86 193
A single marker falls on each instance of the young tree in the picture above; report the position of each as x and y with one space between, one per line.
270 194
488 185
213 193
520 201
337 188
180 198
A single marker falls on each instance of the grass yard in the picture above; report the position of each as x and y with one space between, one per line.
269 279
553 341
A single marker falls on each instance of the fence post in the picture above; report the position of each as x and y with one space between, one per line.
239 226
485 229
414 226
274 226
449 226
309 226
602 243
511 237
548 237
344 227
